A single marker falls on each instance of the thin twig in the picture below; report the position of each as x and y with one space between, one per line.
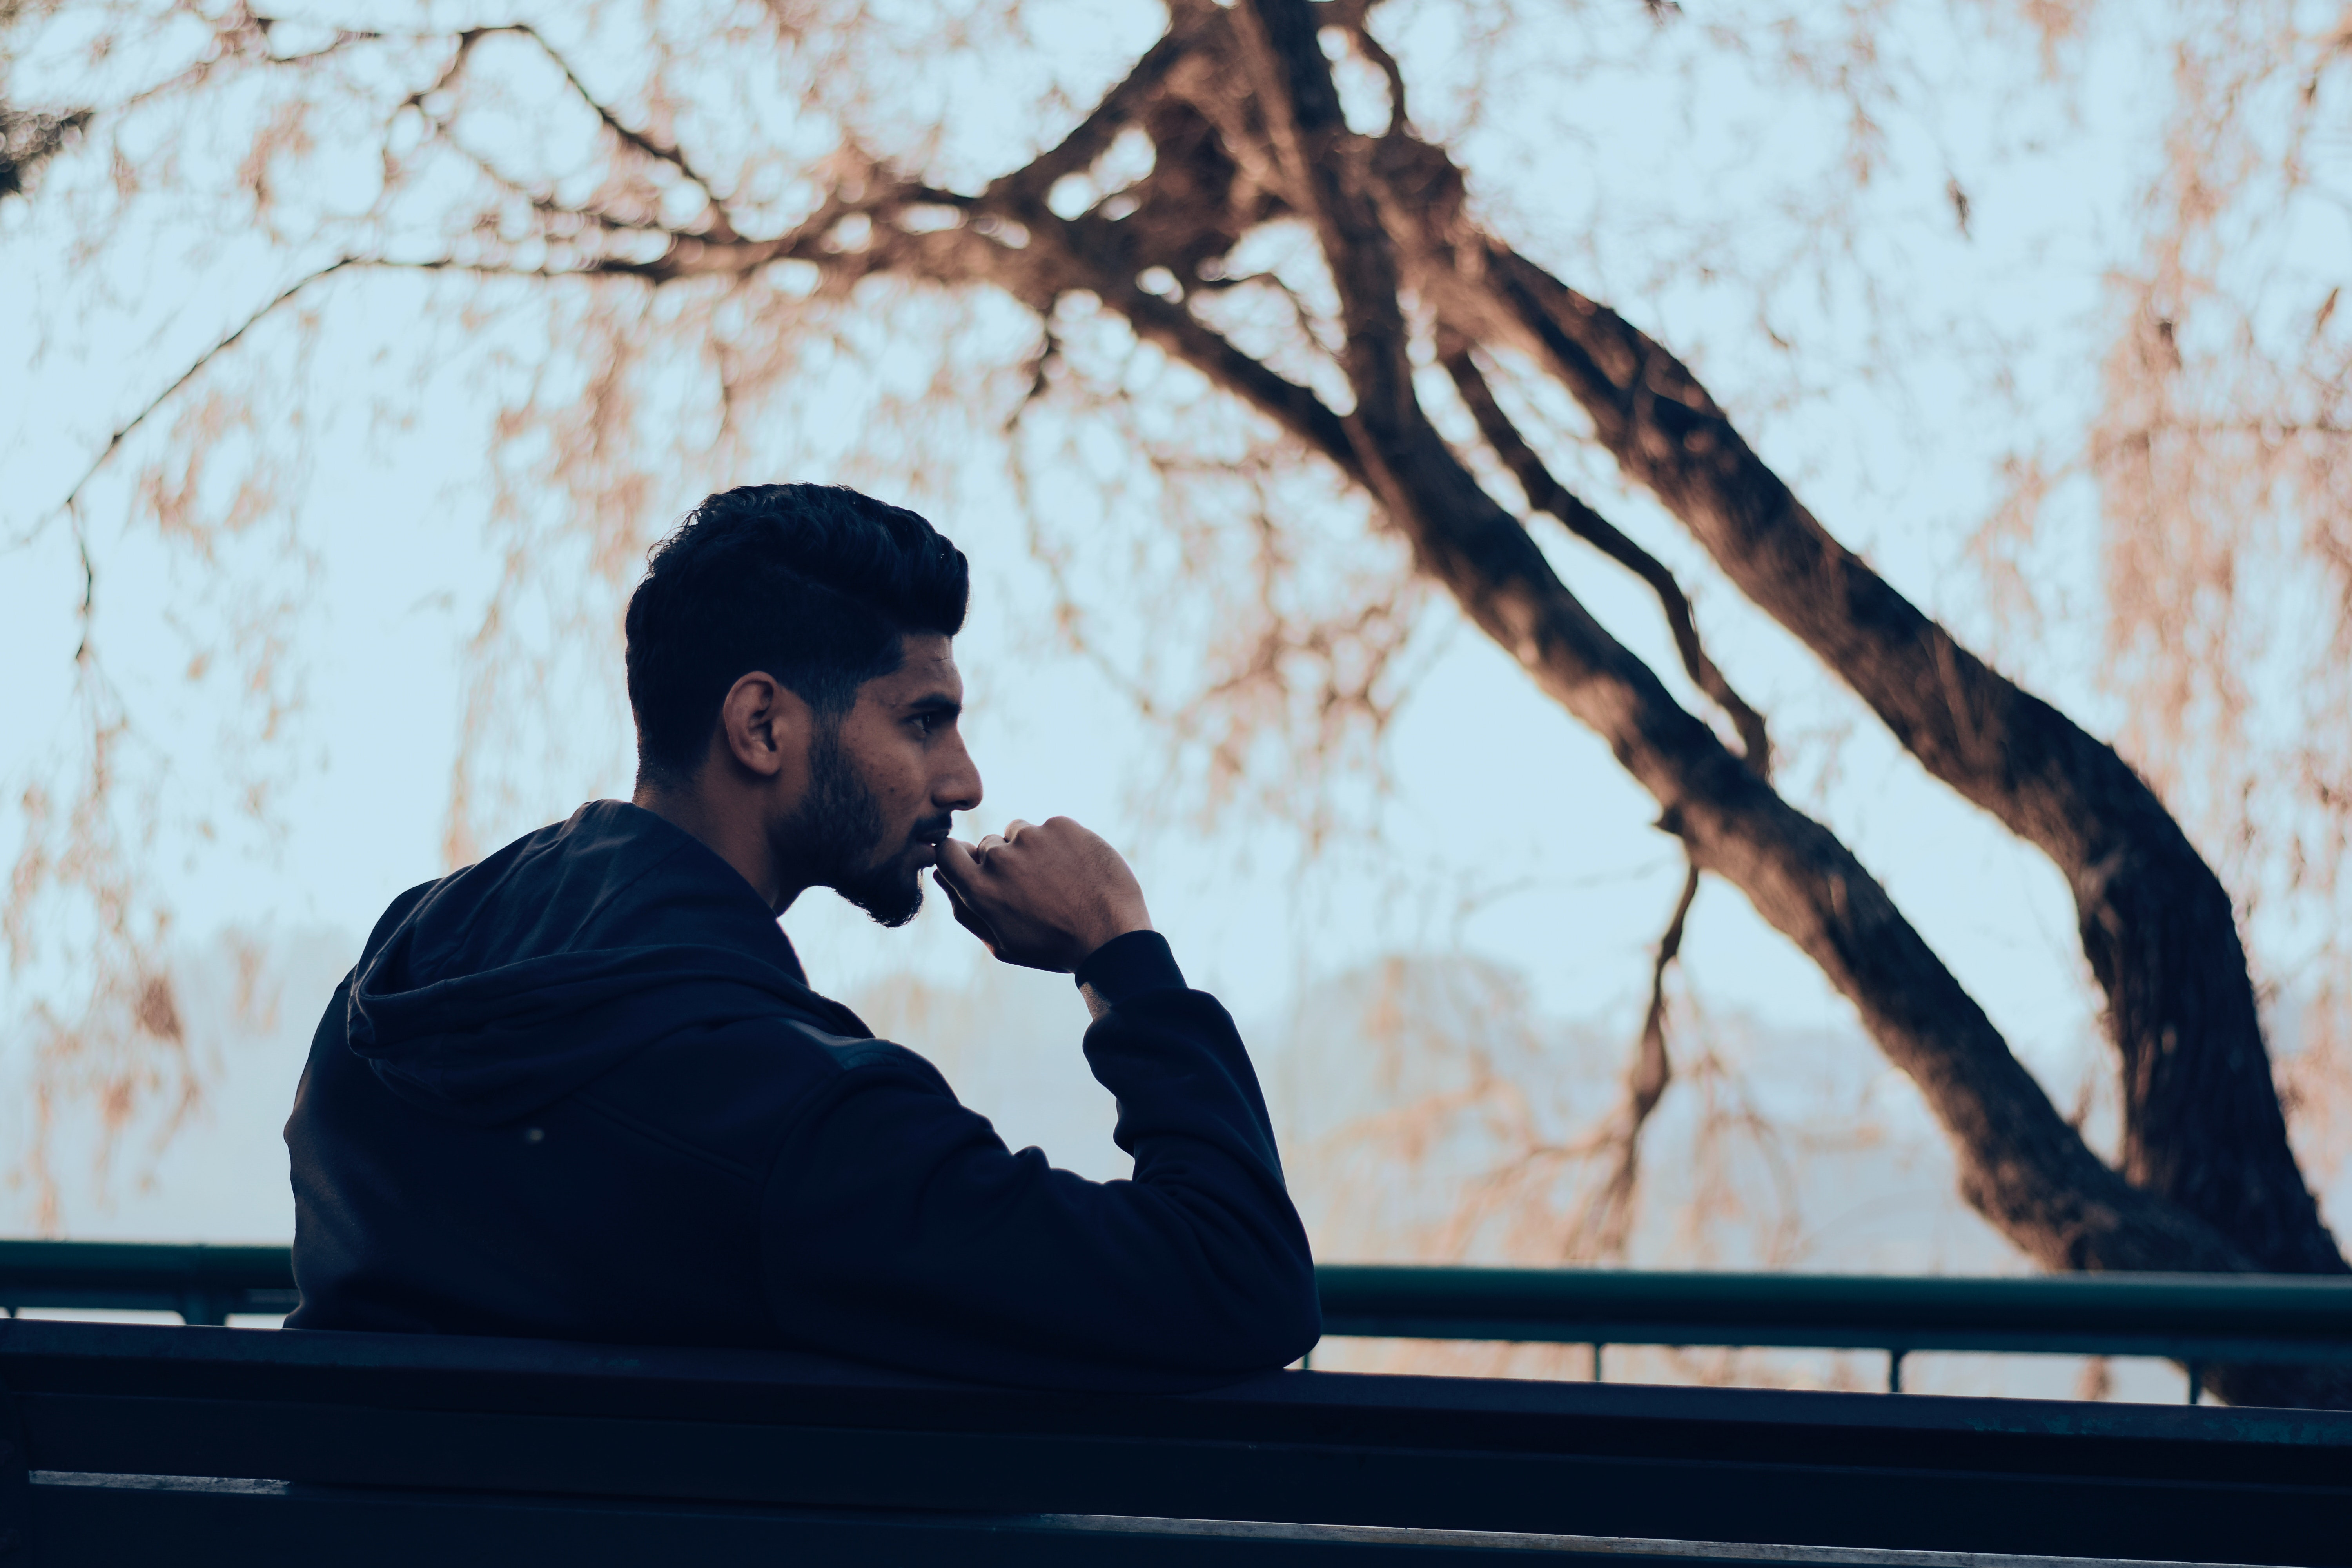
124 431
1646 1084
87 616
722 227
1607 1218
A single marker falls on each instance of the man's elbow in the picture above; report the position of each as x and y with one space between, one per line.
1304 1332
1284 1319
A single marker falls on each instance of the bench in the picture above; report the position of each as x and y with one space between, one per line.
130 1444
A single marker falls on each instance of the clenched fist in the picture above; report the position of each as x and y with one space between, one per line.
1042 896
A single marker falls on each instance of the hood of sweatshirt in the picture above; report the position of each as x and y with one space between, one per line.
507 985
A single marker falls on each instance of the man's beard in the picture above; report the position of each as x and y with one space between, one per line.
838 827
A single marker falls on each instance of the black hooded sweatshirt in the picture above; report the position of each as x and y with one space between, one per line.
583 1091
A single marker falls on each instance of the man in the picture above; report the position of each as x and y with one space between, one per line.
582 1090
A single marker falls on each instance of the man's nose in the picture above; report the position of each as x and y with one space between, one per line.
959 788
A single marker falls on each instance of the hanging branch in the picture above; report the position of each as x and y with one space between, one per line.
1607 1214
1610 1215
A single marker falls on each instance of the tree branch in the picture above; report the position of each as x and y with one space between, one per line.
1607 1218
1646 1084
244 35
1546 493
722 225
124 431
1120 107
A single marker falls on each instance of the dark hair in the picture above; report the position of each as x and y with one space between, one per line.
816 585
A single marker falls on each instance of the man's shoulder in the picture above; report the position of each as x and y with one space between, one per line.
738 1090
869 1056
398 910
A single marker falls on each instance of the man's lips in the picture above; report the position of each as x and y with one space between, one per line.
924 842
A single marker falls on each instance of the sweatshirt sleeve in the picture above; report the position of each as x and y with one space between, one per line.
898 1227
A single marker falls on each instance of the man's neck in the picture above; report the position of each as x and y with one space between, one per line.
735 835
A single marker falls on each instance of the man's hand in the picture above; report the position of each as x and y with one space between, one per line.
1042 896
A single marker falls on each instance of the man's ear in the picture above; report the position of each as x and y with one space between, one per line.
764 725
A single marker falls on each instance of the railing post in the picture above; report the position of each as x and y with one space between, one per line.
203 1308
1597 1348
2195 1383
1894 1372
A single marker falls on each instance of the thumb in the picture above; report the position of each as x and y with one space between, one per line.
957 869
965 915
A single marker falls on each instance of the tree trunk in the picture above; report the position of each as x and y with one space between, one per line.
2022 1162
2202 1118
2204 1128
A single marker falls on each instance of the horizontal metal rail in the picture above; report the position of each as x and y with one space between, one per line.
2264 1317
2197 1320
203 1283
2194 1319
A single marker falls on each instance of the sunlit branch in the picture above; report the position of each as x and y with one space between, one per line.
1039 367
234 37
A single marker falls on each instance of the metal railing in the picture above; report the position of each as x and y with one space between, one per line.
203 1284
2197 1320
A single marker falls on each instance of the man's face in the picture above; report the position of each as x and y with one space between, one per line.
883 779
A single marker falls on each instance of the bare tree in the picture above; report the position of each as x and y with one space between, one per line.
1384 360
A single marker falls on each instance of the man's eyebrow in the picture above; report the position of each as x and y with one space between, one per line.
938 702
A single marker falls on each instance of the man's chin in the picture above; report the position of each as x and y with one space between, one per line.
891 900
